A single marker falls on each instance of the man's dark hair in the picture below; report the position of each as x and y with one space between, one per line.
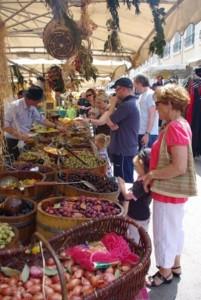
142 79
34 93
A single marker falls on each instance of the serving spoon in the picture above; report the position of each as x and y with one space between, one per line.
53 183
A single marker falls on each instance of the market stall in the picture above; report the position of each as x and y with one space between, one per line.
58 184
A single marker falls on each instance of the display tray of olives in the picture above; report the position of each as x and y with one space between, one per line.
15 207
28 156
91 161
81 207
103 184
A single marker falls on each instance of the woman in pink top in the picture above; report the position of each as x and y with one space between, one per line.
172 181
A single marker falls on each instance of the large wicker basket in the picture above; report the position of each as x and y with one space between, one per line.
59 40
125 287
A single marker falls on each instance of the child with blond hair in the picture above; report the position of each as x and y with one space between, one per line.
102 142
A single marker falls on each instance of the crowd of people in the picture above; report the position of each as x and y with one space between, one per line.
162 157
128 136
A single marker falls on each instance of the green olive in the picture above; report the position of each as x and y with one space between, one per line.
6 234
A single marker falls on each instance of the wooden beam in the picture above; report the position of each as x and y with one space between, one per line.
26 31
23 14
28 20
5 14
25 68
18 11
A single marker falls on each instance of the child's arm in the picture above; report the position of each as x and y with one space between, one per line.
127 194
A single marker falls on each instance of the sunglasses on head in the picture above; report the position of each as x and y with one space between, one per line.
158 102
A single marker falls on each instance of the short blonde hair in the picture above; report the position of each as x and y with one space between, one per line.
103 140
102 97
174 94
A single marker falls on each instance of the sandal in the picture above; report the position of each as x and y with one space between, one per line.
158 279
176 271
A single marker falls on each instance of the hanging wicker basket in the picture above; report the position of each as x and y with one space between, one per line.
59 40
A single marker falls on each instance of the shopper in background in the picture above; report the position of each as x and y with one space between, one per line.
102 105
172 180
149 122
157 83
102 142
83 105
91 97
123 120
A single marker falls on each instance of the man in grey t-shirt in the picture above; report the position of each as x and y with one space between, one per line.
149 122
124 124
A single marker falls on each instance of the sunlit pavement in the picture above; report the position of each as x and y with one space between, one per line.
188 287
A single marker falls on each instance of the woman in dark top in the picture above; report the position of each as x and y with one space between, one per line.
102 105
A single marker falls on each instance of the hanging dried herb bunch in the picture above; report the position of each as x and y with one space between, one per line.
85 24
84 63
71 80
113 6
59 8
158 43
55 79
113 43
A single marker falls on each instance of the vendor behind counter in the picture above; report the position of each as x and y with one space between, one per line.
19 118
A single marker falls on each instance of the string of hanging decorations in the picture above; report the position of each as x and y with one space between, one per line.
63 36
158 43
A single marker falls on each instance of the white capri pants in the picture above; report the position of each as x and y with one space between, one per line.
168 232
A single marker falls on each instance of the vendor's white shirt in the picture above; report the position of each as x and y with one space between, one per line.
21 117
145 102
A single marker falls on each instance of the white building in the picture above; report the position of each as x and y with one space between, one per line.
181 54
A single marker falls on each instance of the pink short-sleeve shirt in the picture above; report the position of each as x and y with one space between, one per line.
176 135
